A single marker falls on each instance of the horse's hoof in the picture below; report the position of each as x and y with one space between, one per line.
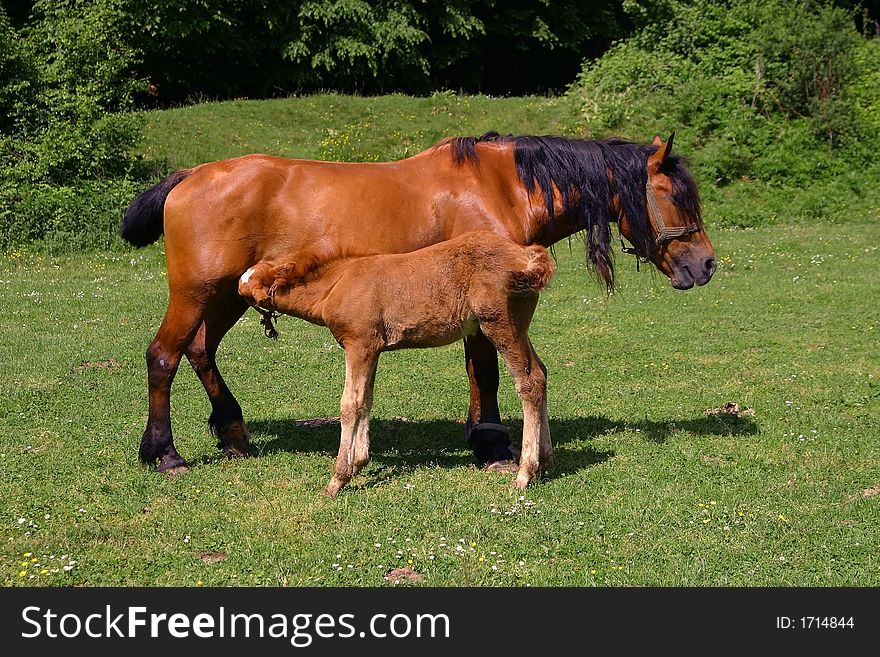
175 471
234 451
491 444
504 467
235 440
172 464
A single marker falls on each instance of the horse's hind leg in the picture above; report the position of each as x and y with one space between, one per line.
487 437
226 421
354 416
181 322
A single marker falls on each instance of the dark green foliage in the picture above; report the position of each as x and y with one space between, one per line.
17 77
257 48
768 92
65 85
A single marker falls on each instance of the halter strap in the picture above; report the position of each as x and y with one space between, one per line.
664 233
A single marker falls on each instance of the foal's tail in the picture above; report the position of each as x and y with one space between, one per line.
537 274
144 221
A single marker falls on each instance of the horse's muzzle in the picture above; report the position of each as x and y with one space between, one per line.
688 274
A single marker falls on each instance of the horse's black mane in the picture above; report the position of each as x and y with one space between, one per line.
579 169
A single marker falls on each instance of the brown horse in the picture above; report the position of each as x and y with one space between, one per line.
431 297
221 218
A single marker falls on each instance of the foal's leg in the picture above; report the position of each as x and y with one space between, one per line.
510 336
226 419
182 320
490 444
354 416
531 385
545 451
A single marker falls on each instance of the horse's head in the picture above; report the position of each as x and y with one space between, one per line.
678 246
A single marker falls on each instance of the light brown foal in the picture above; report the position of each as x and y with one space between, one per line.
426 298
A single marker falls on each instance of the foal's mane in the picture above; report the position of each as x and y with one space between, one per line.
588 174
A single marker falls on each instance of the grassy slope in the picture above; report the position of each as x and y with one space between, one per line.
339 127
646 489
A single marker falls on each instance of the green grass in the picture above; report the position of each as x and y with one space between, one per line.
646 489
337 127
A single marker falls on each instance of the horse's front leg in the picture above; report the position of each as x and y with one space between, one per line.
545 449
487 437
354 416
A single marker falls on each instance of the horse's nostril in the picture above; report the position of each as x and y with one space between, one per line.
710 265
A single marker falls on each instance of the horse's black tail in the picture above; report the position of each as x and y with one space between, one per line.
144 221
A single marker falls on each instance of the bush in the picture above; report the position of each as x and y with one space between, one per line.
752 85
66 86
254 48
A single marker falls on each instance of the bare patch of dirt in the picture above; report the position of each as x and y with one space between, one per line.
713 459
316 422
213 557
868 492
105 364
871 492
405 574
731 408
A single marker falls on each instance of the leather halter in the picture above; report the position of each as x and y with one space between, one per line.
664 232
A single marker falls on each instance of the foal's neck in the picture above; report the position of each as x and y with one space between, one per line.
303 297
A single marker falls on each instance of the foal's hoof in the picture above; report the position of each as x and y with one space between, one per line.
336 484
504 467
520 483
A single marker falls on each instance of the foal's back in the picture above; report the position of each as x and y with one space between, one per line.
436 295
425 298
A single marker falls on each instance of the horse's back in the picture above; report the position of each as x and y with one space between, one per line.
228 215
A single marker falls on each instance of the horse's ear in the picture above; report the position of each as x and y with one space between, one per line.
669 144
656 160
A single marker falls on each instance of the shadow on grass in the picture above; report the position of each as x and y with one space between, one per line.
398 446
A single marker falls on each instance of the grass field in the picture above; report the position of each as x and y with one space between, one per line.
646 488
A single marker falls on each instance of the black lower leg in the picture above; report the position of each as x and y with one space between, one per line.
157 444
226 420
487 437
160 452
